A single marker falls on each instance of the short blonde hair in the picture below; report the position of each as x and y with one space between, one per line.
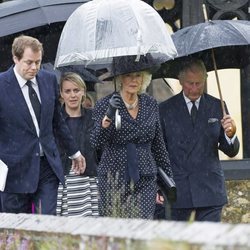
146 75
75 78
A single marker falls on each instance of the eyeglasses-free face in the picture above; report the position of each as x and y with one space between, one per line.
28 66
193 84
131 82
72 94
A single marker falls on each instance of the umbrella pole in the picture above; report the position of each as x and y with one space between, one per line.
215 66
232 130
115 84
114 71
218 84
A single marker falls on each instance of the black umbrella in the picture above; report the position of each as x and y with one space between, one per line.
229 40
226 57
87 75
220 43
20 15
211 35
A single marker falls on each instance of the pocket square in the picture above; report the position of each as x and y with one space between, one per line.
212 120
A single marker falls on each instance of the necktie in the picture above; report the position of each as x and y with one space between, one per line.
34 101
194 111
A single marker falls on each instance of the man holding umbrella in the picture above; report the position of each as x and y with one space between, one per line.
194 129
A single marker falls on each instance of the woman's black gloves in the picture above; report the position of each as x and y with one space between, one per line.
114 104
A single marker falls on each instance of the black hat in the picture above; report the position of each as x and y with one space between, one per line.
129 64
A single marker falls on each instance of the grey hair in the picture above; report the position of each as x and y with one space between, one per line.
147 77
193 65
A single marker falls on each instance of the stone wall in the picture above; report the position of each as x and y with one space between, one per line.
238 208
31 232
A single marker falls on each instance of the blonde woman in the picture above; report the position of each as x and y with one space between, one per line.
78 195
128 166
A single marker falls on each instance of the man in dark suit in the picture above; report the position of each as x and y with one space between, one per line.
193 136
27 143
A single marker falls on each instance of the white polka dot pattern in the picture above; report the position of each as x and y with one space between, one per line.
144 131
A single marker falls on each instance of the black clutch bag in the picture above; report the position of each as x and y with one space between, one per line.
167 185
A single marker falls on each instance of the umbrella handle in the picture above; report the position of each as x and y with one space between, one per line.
233 129
118 120
204 12
218 84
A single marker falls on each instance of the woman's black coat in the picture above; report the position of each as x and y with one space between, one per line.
83 142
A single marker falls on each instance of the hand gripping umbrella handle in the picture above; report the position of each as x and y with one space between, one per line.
232 130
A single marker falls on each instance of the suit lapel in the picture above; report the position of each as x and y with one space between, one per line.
192 134
16 96
42 84
182 115
45 96
201 123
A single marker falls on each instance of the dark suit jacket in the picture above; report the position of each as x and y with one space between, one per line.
194 151
19 143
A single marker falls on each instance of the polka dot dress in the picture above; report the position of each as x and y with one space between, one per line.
120 197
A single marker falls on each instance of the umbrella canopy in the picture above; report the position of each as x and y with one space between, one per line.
86 74
20 15
229 40
100 30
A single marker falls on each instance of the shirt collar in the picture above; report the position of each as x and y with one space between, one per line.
22 81
187 100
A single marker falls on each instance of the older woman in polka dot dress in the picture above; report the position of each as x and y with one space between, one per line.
128 166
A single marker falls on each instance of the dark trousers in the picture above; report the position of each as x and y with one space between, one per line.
212 214
44 199
163 212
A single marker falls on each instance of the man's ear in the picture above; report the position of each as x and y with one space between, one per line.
15 59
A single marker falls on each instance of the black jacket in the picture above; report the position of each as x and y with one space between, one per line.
83 141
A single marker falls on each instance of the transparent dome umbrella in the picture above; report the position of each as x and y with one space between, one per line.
101 30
